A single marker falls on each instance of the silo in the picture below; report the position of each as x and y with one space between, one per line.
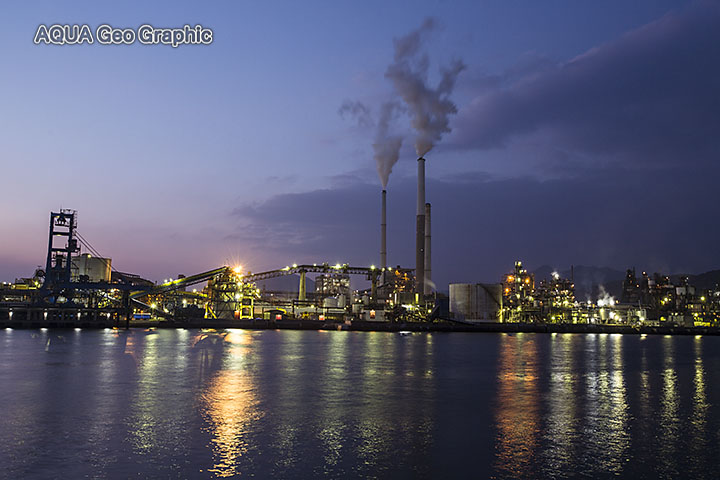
476 302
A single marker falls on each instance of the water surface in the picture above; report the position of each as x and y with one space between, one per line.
306 404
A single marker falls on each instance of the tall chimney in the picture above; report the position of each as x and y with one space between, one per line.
428 267
383 232
420 231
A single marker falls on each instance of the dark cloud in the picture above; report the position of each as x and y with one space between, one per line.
316 226
650 97
635 121
657 221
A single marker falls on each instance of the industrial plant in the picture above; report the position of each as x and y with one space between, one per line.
81 288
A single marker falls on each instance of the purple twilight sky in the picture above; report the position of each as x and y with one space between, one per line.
586 133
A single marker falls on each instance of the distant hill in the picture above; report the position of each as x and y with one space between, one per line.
589 279
702 281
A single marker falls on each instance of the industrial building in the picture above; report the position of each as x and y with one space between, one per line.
79 287
651 301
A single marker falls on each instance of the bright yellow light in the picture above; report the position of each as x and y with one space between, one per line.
238 269
153 305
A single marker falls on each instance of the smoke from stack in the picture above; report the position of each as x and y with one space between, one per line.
430 108
386 147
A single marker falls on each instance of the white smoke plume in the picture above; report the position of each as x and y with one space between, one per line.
430 108
386 146
358 110
605 299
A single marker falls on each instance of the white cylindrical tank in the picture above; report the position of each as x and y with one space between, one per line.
478 302
97 269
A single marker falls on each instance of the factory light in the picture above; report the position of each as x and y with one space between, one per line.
238 269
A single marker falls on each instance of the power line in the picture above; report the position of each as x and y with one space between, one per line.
92 249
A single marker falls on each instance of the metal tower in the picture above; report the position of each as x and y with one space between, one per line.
59 261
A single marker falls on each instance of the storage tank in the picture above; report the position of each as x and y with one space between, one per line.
97 269
476 302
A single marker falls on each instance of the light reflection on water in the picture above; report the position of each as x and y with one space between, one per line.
606 415
700 404
562 423
298 404
669 411
230 405
518 400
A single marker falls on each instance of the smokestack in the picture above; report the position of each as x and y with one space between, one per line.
383 232
428 268
420 231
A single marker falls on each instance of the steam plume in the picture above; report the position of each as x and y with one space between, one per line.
358 110
386 146
430 108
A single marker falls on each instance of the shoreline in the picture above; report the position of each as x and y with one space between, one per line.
360 326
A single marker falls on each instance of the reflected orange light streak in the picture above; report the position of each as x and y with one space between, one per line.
230 407
517 414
